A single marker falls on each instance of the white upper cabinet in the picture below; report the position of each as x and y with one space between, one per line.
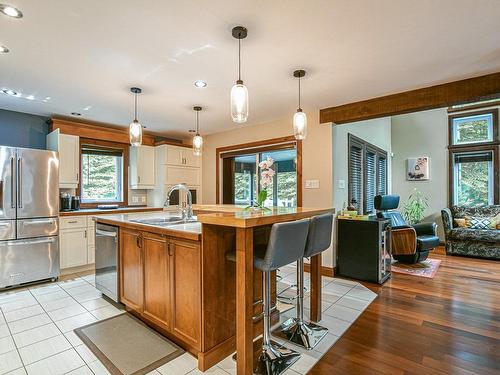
68 147
142 167
181 156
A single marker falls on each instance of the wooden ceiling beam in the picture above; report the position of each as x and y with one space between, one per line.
439 96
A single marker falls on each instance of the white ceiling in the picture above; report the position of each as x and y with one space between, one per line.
89 53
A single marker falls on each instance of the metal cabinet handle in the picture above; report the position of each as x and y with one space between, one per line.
139 179
85 233
72 222
20 183
12 184
77 177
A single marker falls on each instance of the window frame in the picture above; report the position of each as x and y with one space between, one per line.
493 112
124 148
352 140
473 147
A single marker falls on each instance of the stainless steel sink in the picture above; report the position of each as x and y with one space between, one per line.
163 221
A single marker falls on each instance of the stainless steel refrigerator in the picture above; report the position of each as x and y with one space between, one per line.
29 209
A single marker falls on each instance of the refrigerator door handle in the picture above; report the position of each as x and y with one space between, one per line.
12 184
19 183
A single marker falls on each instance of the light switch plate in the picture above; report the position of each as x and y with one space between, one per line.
143 199
135 199
312 184
341 184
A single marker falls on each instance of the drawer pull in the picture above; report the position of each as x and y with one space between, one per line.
72 222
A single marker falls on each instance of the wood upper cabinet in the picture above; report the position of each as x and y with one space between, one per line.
68 147
186 290
157 283
142 167
131 269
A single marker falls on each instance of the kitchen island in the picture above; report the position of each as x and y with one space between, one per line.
177 277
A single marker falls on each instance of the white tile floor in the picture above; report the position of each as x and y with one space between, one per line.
37 338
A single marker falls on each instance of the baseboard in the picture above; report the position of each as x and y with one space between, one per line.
325 271
75 270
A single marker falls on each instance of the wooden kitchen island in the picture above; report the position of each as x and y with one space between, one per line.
178 280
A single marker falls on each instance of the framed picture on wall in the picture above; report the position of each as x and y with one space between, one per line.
417 169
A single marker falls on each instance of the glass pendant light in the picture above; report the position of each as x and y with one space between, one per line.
135 130
197 139
239 92
299 118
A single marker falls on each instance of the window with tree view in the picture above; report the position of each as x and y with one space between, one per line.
102 175
474 159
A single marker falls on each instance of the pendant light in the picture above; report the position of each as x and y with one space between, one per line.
239 92
299 118
135 130
197 139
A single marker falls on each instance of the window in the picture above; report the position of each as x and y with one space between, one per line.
103 173
241 175
473 178
473 158
367 168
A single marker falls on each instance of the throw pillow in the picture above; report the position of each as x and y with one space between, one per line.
480 222
460 223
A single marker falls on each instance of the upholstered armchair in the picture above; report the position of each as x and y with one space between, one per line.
410 243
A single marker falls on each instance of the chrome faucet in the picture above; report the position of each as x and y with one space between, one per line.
187 214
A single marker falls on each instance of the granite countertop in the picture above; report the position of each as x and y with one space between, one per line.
184 230
90 211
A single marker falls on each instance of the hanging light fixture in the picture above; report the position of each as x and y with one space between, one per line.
135 130
197 139
299 118
239 92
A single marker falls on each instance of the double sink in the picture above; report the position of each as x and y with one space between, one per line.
164 221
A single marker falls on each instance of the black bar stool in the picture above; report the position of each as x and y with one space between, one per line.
296 329
286 245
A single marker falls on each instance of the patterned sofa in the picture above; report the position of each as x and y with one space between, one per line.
484 243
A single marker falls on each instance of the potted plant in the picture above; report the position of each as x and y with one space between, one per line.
415 206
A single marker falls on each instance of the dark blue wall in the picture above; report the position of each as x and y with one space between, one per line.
22 130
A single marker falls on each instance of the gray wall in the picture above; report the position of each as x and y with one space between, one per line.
422 134
22 130
377 132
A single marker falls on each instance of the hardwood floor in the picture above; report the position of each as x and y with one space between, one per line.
446 325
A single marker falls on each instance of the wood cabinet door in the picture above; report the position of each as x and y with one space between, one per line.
69 154
73 247
174 155
185 262
157 305
131 269
190 159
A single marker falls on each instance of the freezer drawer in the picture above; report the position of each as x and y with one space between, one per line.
29 228
26 261
7 230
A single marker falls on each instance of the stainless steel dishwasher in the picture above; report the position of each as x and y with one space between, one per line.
106 260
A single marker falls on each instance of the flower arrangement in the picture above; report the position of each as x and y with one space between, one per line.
266 179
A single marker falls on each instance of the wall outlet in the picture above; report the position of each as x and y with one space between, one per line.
143 199
135 199
312 184
341 184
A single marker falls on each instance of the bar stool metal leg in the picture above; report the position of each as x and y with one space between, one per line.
296 330
274 358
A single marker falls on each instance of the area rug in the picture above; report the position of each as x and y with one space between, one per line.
427 268
126 346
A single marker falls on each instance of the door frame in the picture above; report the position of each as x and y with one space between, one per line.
259 146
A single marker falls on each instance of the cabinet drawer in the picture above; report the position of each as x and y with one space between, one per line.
69 222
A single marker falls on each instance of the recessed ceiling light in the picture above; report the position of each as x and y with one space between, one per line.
10 92
75 114
10 11
199 83
3 49
30 97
